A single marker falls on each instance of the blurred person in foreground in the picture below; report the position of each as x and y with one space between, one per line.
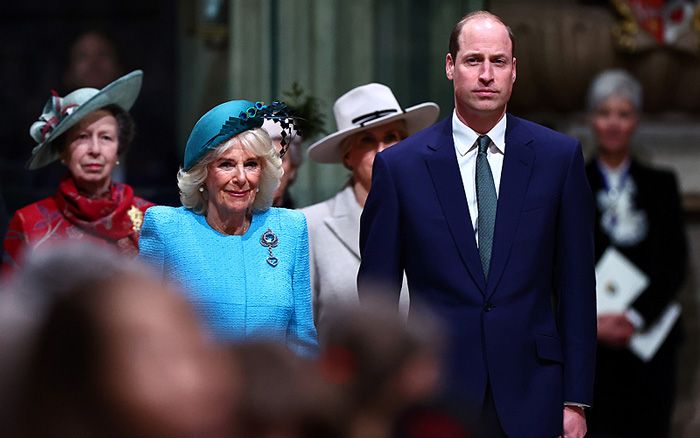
87 130
386 373
369 120
242 263
638 213
490 217
283 394
114 352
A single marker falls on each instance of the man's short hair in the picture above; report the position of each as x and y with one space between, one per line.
454 36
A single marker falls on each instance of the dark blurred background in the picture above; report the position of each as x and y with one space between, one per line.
40 44
198 53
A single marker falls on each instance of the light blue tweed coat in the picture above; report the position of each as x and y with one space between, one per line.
237 293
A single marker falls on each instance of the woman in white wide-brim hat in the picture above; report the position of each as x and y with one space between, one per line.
87 130
369 120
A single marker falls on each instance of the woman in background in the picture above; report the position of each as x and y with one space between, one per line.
369 120
243 263
87 130
639 214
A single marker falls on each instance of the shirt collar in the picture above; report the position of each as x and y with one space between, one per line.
465 137
614 177
622 168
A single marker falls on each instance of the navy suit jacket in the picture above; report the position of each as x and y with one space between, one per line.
530 330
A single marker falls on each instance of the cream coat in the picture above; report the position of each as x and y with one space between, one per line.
334 233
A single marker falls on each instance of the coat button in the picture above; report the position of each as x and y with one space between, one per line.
488 307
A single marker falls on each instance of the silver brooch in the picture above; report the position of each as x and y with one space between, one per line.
269 240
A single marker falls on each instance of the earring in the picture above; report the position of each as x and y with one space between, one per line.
257 189
118 163
201 189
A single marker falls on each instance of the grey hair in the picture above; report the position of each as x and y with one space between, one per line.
256 141
616 82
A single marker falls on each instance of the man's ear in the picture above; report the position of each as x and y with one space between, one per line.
514 68
449 66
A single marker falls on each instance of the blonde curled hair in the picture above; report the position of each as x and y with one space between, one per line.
256 141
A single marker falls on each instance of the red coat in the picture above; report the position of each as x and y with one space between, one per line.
68 214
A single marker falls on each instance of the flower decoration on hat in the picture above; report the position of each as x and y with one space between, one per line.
250 118
62 113
53 113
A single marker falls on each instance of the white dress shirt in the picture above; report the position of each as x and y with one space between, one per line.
615 179
465 147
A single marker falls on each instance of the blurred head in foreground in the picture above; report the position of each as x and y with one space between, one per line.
283 395
117 353
382 365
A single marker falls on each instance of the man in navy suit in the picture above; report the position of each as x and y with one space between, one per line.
508 267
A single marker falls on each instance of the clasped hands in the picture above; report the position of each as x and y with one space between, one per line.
614 329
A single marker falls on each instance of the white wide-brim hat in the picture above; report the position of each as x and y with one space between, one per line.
62 113
365 107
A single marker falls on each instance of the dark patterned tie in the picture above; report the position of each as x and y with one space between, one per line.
486 201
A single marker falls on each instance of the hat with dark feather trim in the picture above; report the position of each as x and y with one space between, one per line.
229 119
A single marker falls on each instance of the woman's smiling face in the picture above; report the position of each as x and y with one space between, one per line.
232 180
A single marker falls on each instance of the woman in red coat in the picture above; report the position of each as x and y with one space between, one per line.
87 130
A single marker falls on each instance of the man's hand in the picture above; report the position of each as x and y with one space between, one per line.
614 329
574 422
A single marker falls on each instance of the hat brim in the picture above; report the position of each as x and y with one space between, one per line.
327 150
122 92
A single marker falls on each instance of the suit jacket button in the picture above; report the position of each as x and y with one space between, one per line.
488 307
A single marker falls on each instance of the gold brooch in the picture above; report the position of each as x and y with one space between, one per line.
136 217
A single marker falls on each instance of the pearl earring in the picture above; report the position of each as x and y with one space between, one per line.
201 189
257 189
118 163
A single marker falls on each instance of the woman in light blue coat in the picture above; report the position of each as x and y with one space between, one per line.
243 264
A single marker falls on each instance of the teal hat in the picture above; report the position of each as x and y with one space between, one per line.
227 120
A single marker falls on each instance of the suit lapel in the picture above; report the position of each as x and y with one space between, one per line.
515 177
345 221
447 180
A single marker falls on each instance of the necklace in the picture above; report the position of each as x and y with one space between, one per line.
223 230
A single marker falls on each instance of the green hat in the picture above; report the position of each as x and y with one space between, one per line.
62 113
